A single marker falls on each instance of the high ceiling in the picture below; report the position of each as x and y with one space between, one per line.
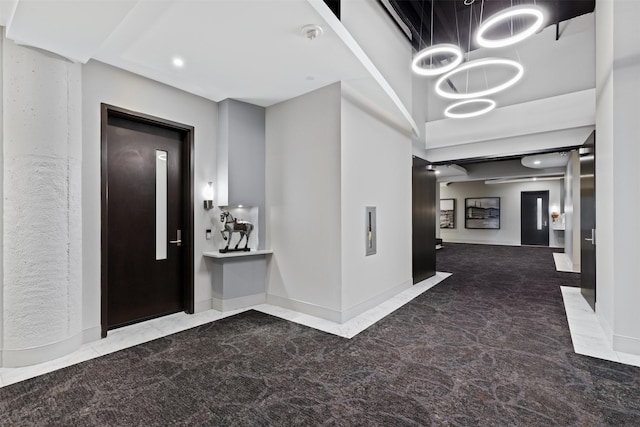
452 19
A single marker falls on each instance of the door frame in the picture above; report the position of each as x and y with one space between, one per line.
107 110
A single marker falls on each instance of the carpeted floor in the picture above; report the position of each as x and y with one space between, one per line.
489 346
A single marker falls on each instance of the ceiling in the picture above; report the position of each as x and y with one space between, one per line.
452 20
545 165
249 50
255 50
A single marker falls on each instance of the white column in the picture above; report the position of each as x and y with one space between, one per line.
617 173
42 258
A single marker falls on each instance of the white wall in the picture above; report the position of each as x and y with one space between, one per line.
240 158
617 173
102 83
421 87
386 46
303 202
572 210
509 232
375 171
2 41
604 165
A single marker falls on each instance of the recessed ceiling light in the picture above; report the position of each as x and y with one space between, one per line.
178 62
537 162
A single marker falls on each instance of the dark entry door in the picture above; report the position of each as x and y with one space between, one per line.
588 222
534 218
424 221
147 235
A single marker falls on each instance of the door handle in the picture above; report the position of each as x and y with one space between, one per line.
593 237
178 241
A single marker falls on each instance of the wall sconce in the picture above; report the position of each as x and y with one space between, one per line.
207 194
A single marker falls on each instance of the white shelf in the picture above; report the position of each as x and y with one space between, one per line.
237 254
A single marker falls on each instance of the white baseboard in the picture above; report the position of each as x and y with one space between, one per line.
306 308
203 305
335 315
604 324
91 334
374 301
236 303
626 344
31 356
478 242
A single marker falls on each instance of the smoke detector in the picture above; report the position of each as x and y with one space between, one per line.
312 31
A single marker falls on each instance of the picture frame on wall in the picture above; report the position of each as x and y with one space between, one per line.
447 213
482 213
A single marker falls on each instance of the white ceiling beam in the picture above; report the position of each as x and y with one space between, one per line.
74 29
568 111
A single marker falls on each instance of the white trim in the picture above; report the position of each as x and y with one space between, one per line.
358 309
91 334
31 356
237 303
626 344
304 307
604 324
203 305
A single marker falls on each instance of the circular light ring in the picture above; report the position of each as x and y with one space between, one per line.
509 13
491 104
434 50
479 63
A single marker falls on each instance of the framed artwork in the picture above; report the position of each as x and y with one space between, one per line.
447 213
482 213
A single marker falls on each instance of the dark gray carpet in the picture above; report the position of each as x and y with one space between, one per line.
489 346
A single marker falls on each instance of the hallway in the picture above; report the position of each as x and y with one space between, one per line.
487 346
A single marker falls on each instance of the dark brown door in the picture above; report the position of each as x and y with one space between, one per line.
147 232
588 221
534 218
424 221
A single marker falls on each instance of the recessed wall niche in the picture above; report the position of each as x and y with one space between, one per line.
240 213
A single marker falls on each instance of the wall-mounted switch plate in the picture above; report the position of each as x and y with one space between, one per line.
207 234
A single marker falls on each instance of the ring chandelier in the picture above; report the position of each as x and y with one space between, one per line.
454 67
475 64
490 105
430 52
510 13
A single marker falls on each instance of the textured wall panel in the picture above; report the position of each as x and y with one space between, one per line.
42 205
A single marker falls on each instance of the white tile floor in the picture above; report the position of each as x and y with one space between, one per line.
586 333
139 333
563 263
